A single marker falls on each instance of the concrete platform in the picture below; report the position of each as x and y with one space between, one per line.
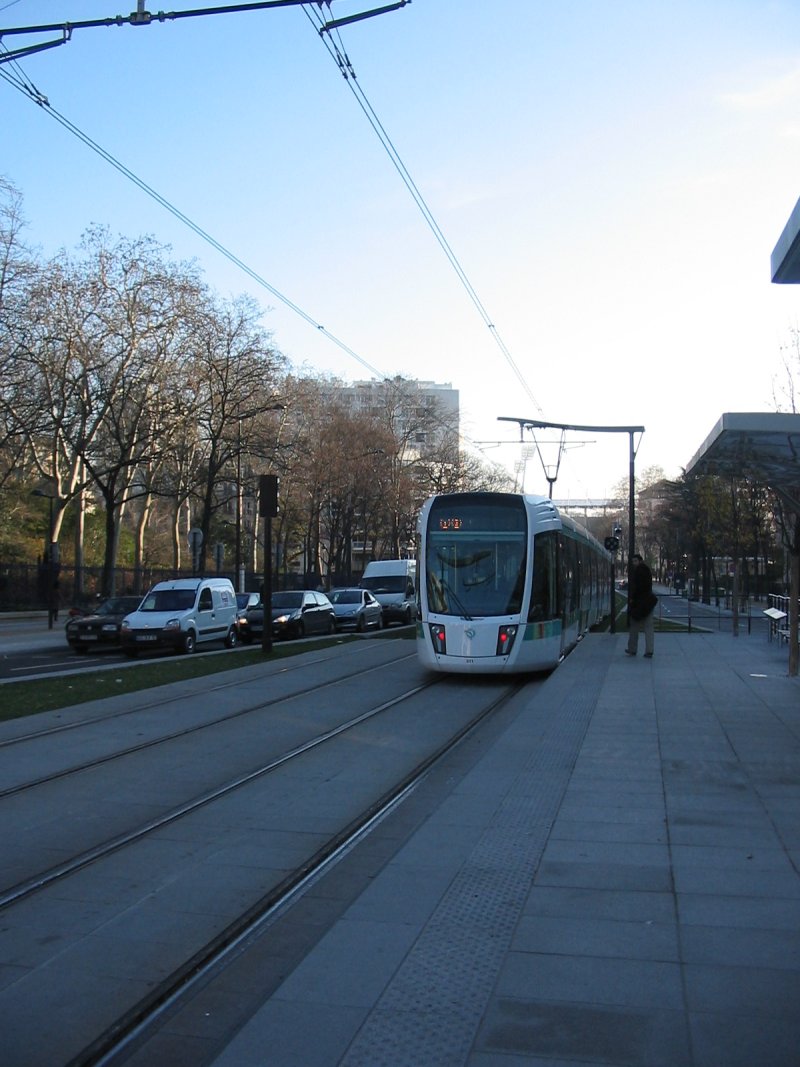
614 880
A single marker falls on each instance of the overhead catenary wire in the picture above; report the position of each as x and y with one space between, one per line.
23 84
338 53
27 88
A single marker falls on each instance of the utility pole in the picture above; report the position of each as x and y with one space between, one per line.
531 424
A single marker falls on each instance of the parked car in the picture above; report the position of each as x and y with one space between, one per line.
101 626
181 615
246 602
393 583
356 609
295 613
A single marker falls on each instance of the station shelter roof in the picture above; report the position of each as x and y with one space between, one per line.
785 261
764 446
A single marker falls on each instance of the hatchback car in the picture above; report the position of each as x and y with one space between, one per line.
244 602
100 627
295 613
356 609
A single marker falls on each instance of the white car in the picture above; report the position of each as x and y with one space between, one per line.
181 615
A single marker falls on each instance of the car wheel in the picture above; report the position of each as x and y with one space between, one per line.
331 627
231 639
361 627
379 623
189 643
300 630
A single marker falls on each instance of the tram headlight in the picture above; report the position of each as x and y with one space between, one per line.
505 639
438 638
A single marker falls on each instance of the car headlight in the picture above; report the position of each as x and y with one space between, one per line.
125 626
172 624
282 619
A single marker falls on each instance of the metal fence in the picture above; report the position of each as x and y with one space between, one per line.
30 586
754 615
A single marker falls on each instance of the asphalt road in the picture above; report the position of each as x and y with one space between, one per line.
29 648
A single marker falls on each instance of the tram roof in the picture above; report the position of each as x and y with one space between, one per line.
764 446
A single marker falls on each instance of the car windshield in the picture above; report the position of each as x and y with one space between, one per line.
345 596
243 600
118 605
168 600
287 600
386 583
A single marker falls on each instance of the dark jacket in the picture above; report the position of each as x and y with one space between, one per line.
641 599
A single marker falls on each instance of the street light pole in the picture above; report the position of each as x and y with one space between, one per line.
530 424
52 551
631 498
240 569
630 430
238 561
267 509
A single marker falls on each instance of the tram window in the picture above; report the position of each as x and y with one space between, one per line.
569 577
544 602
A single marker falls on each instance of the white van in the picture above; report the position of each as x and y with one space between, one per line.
393 583
182 614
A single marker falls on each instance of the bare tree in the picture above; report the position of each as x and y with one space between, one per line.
785 382
232 375
17 265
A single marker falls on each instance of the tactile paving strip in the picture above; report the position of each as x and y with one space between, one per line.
431 1010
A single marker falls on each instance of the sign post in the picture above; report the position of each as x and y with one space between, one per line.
267 509
219 555
195 541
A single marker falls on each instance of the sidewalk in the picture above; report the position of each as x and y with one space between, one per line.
615 881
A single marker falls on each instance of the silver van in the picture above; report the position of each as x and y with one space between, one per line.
181 615
393 583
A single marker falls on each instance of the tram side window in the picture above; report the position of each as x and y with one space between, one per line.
544 601
569 577
585 560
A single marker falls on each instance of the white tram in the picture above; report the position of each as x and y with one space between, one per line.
505 582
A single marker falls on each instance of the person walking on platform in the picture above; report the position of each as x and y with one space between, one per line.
641 605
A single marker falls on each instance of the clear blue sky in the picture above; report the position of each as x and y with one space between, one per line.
613 178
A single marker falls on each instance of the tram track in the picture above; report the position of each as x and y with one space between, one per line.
22 891
174 735
153 703
114 931
109 1048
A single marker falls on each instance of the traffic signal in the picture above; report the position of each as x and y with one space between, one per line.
612 544
268 495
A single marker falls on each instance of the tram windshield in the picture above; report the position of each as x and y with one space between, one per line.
475 553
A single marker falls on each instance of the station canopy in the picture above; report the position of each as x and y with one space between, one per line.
785 262
764 446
